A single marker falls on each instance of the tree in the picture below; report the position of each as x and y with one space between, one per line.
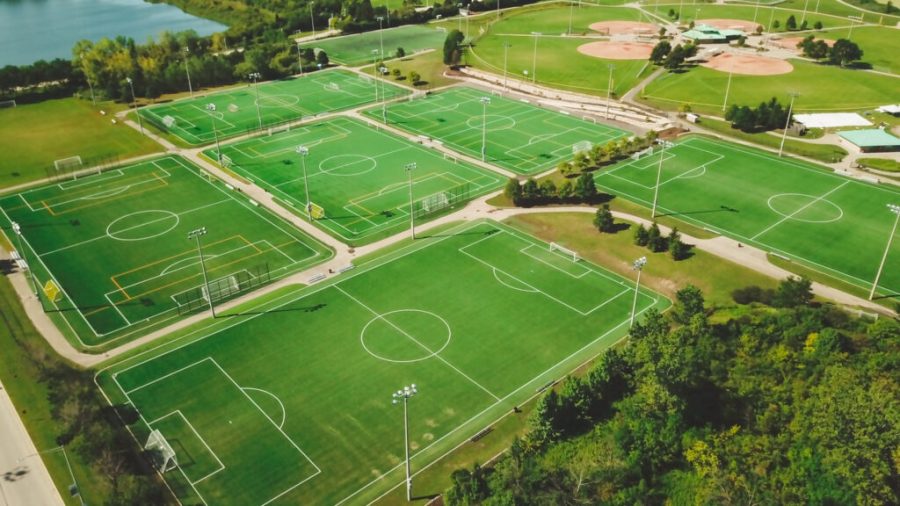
791 23
793 292
585 188
818 25
675 58
603 220
641 236
804 25
566 190
677 248
322 58
452 47
844 52
414 78
660 51
776 24
547 189
513 190
689 302
530 190
396 73
655 240
400 52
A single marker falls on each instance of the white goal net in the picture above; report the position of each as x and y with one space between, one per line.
434 202
233 108
169 121
7 103
555 247
67 164
156 442
226 161
278 129
581 146
642 153
221 288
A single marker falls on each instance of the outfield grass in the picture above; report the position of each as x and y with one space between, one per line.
559 64
357 49
30 138
520 137
116 244
828 153
357 174
836 225
479 319
822 88
237 113
880 45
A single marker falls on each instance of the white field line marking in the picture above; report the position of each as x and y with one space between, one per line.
165 376
413 339
585 270
194 430
114 306
811 202
280 404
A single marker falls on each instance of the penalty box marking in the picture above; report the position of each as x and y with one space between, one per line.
247 396
194 430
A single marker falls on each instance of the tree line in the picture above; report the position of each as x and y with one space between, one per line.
843 52
792 405
769 115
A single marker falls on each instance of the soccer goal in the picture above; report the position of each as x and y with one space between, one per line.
435 202
450 158
316 211
581 146
168 121
221 288
233 108
226 161
4 104
642 153
333 87
278 129
70 164
554 247
165 455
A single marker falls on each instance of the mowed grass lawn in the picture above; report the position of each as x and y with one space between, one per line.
117 245
559 64
32 136
357 49
358 175
519 137
880 45
835 225
479 318
821 87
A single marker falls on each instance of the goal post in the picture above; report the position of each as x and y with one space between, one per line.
169 121
4 104
556 247
278 129
164 455
67 165
435 202
581 146
316 211
642 153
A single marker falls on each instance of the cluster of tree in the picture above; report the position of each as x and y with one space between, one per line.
767 116
843 52
453 47
888 8
488 5
604 154
673 15
584 190
651 238
40 79
792 292
799 405
672 57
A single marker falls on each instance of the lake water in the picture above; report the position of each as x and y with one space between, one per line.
31 30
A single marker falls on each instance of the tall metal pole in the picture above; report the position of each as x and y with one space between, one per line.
638 265
374 73
403 396
662 155
412 215
187 70
609 88
896 210
300 57
381 35
787 123
534 58
728 86
484 103
196 234
17 229
505 60
212 114
312 19
756 11
498 9
303 151
571 16
134 103
255 76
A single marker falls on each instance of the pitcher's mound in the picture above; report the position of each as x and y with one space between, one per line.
620 27
730 24
617 50
749 64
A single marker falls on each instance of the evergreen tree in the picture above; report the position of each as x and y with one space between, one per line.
603 220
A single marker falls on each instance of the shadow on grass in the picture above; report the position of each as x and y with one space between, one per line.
301 309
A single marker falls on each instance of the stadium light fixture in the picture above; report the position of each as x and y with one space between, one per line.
255 76
662 156
17 229
212 114
787 122
410 167
609 86
196 235
402 396
534 57
638 265
303 151
894 208
485 101
134 103
187 70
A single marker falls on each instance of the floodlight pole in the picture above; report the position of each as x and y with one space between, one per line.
187 70
312 19
894 208
134 103
484 103
662 155
381 35
303 151
374 73
609 88
300 57
756 11
197 234
506 46
212 114
787 123
803 17
18 231
498 9
534 58
571 16
728 86
412 215
403 396
638 265
88 79
255 76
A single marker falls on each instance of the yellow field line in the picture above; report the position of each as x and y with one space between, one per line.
49 210
188 251
113 279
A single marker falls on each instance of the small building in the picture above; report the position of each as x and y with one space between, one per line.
893 109
705 34
871 140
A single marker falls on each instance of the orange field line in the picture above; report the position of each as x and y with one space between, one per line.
189 251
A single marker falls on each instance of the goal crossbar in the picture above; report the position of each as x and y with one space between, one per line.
554 247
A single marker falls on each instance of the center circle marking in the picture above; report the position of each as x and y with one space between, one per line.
836 209
278 100
356 165
494 122
434 353
163 216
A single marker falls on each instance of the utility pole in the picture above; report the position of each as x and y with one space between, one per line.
638 265
609 85
312 19
212 114
300 57
662 155
303 151
187 70
894 208
134 102
255 76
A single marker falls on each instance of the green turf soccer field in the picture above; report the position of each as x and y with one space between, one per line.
279 102
116 244
357 49
357 174
833 224
521 137
480 317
